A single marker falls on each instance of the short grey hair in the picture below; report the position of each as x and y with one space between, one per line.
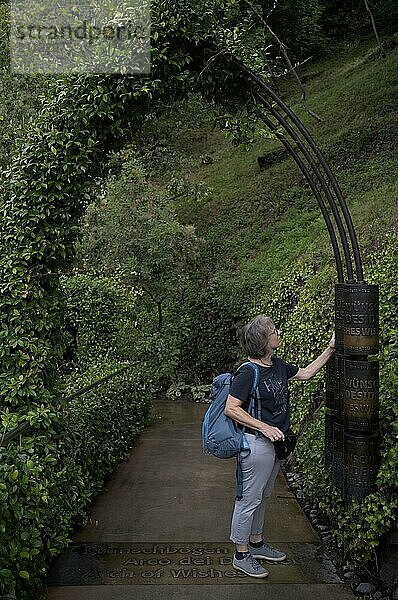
254 337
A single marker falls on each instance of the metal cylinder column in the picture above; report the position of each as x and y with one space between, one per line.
357 337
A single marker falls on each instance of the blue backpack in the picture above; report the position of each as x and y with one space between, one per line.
221 436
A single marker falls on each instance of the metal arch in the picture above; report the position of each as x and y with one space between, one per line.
318 196
331 200
321 180
321 158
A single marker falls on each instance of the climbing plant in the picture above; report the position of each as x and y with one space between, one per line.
56 165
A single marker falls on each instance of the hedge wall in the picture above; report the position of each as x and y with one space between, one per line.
49 477
48 480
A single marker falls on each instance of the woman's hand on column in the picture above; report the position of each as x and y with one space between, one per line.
332 342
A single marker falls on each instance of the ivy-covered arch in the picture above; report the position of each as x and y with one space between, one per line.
52 177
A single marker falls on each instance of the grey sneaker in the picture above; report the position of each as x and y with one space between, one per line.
250 566
267 552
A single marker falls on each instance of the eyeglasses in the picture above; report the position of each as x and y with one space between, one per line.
277 331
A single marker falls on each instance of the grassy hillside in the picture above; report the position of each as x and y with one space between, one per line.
261 221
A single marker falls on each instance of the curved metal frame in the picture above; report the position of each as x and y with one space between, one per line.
307 175
306 145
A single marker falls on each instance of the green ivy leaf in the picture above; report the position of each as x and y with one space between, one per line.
24 574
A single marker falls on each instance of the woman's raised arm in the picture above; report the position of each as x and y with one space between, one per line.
303 374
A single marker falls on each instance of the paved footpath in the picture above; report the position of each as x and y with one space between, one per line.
160 529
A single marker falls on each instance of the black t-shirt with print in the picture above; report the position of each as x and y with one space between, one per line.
273 389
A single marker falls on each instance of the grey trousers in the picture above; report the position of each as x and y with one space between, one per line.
260 469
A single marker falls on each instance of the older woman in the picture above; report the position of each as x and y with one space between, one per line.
259 339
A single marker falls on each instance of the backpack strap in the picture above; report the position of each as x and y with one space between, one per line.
254 392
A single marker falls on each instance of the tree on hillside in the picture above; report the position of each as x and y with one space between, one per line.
134 230
283 49
375 30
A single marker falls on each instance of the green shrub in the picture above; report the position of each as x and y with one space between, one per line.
48 480
104 313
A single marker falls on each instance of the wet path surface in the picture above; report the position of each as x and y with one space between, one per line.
160 529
